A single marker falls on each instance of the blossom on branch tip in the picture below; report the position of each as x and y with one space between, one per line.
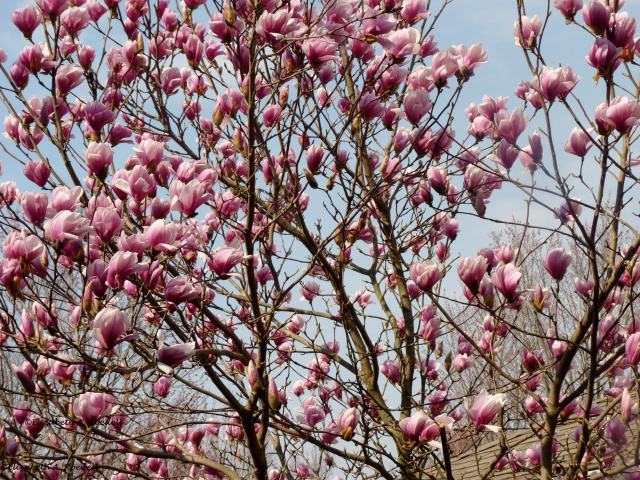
568 8
484 410
425 275
557 263
527 30
91 407
171 357
620 114
510 126
108 328
472 271
579 142
506 278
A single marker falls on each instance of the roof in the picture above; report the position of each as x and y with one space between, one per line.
477 461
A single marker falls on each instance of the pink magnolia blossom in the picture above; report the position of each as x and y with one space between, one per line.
579 143
596 15
363 297
179 290
557 263
532 361
413 12
538 298
506 278
443 66
106 223
24 378
251 372
526 31
431 430
295 324
402 42
121 266
225 259
604 56
171 357
621 114
313 413
391 370
471 272
67 226
370 106
91 407
532 406
556 83
417 104
26 19
462 362
95 9
99 157
52 8
34 206
162 386
187 198
484 410
622 31
309 291
425 275
319 51
568 8
63 371
470 58
34 424
569 211
274 27
510 126
97 115
193 49
413 426
347 422
21 412
314 156
632 349
74 20
272 116
140 184
20 74
108 329
68 78
616 433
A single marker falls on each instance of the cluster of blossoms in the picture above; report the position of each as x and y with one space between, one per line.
147 309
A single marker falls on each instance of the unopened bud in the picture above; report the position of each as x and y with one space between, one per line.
80 256
311 180
331 182
140 42
384 164
284 97
489 301
218 117
13 286
229 15
370 38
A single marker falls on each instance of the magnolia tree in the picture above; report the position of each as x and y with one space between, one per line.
190 170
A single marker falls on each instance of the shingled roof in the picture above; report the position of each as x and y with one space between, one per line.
477 461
